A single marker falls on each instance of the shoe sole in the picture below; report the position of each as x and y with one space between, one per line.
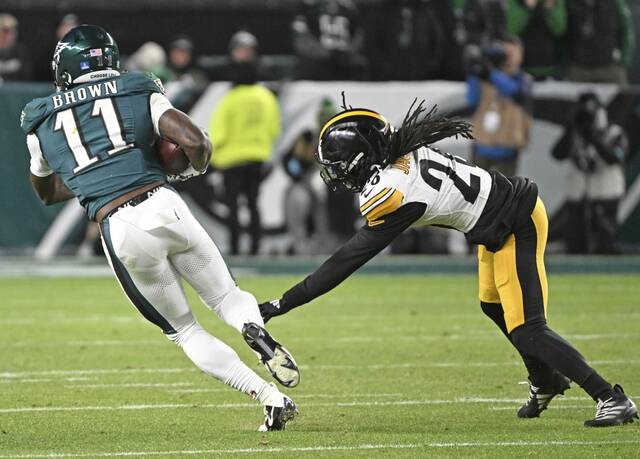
280 363
283 367
629 416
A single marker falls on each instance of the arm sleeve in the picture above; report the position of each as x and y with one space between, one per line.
218 125
473 91
505 84
517 16
158 104
366 243
628 34
39 166
556 18
612 145
564 145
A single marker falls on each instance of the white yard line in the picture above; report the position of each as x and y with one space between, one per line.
111 386
353 403
478 336
314 449
92 371
382 366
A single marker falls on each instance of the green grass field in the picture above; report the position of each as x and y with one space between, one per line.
391 366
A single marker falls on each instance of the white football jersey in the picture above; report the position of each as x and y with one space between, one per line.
454 191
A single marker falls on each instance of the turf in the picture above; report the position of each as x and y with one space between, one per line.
391 366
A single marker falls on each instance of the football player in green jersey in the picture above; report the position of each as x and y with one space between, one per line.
405 182
93 139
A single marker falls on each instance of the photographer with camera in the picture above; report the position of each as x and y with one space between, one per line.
500 92
596 149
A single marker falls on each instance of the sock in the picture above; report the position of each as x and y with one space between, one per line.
243 379
216 359
596 386
539 373
538 340
237 308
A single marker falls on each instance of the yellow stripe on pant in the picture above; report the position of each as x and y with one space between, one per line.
515 268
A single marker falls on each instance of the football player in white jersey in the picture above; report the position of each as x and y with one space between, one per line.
151 239
404 182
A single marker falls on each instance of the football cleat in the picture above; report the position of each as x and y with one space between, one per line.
273 356
614 411
276 417
540 397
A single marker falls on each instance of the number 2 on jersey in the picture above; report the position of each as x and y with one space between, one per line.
469 191
68 122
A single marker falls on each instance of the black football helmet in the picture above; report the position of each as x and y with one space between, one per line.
351 145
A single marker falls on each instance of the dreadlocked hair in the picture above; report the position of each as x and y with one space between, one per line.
417 131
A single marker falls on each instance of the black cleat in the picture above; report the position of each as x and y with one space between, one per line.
275 358
540 397
614 411
276 418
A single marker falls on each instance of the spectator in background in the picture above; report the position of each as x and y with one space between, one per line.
484 20
189 80
42 70
304 209
182 62
328 41
151 57
243 128
601 40
500 92
596 149
410 44
467 25
14 62
541 25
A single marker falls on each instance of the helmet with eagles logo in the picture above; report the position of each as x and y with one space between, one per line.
85 49
352 144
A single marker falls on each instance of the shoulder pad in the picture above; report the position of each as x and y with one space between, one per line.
33 114
383 194
144 82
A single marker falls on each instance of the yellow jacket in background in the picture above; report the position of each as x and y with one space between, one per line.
244 126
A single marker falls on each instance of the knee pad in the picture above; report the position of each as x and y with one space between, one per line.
525 336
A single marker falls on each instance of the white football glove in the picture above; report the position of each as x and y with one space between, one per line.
186 174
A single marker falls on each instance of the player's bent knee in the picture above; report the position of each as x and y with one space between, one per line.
234 296
526 336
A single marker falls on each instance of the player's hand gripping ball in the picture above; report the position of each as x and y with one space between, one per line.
172 157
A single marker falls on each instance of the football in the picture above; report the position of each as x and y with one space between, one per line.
172 157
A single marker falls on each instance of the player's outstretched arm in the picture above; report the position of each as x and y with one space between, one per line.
363 246
51 189
178 127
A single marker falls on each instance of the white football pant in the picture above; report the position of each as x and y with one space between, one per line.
152 245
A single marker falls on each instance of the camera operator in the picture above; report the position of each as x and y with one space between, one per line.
500 92
595 184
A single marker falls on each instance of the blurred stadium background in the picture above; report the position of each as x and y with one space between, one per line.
433 58
383 54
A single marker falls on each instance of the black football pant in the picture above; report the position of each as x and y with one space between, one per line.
243 180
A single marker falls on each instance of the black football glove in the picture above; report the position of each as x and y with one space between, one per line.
270 309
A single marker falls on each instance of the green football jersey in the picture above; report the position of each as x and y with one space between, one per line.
99 136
